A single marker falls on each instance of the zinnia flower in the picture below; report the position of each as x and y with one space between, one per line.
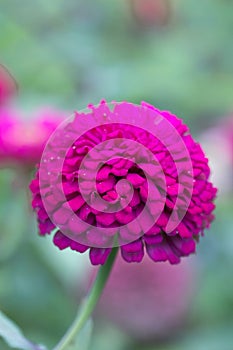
8 85
22 141
144 184
148 301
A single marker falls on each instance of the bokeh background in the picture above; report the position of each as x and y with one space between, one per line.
177 55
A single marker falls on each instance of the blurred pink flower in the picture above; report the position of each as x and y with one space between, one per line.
22 141
148 301
217 142
229 132
151 12
8 86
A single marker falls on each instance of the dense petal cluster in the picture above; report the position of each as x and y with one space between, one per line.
22 141
160 245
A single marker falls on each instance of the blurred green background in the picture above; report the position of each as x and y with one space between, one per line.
67 54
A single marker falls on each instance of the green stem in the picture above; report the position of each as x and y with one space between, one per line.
89 302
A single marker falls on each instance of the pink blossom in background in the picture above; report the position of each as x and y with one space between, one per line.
8 86
151 12
149 301
229 132
60 193
22 140
217 141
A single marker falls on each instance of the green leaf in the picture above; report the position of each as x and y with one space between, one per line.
14 337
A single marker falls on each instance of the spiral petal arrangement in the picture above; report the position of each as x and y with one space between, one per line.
127 175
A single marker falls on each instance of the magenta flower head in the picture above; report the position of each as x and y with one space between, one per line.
124 175
8 86
22 141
